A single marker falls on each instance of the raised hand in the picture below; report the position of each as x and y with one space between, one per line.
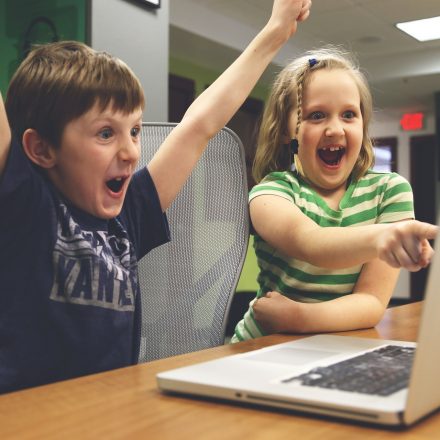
287 13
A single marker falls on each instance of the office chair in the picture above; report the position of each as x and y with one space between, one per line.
187 285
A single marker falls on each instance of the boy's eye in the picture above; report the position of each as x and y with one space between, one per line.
135 131
316 116
106 133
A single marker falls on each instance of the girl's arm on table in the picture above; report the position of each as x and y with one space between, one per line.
363 308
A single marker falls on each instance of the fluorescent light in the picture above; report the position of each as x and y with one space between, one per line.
422 30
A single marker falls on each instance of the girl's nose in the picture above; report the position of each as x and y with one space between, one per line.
334 128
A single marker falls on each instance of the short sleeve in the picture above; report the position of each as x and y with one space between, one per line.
25 200
281 184
147 224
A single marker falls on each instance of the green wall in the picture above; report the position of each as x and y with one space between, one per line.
69 17
203 77
248 277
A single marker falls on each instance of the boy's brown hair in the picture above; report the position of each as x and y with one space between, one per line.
59 82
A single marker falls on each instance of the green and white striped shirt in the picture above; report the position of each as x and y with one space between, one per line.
374 198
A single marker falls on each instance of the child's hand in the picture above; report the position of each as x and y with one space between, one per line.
405 244
427 253
287 13
276 313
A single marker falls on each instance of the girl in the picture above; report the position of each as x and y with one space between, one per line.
329 235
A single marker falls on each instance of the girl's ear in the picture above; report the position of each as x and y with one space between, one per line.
285 139
37 149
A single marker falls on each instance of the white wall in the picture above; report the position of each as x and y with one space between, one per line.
386 125
139 36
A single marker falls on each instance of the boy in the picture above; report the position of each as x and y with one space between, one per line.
75 217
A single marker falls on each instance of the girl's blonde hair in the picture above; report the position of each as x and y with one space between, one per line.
286 96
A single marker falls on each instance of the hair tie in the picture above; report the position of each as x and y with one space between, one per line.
312 62
294 146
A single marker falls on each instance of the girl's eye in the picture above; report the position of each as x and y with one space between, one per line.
316 116
349 114
135 131
106 133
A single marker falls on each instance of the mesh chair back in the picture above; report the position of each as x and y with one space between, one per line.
187 285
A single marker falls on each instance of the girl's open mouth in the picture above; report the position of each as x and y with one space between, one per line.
331 155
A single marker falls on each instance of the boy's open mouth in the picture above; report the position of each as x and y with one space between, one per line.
331 155
115 185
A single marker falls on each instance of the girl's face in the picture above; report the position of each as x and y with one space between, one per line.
331 131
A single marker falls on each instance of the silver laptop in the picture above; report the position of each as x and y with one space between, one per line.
379 381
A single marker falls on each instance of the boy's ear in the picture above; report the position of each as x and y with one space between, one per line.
38 150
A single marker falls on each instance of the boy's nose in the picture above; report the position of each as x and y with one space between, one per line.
130 151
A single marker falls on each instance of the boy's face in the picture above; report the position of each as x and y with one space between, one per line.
96 160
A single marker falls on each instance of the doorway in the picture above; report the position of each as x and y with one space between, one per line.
423 169
246 123
181 93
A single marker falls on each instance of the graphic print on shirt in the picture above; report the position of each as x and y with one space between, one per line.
93 267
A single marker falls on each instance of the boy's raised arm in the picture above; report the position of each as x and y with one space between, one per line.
5 136
179 153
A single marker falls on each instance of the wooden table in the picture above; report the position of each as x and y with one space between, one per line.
126 404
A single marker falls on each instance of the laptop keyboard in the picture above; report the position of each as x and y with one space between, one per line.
380 372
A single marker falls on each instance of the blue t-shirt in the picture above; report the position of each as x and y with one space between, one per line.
69 293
